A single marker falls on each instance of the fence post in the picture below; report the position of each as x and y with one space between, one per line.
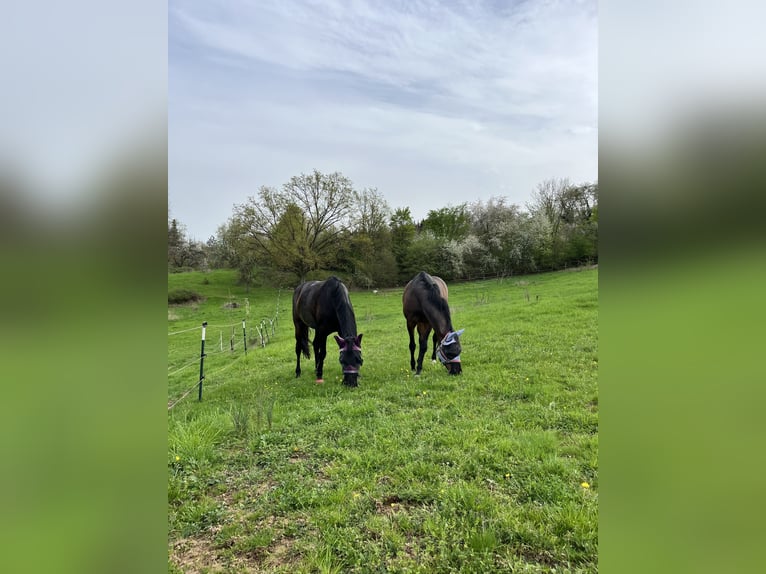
202 360
244 335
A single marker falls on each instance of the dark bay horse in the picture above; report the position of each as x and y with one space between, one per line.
325 307
425 306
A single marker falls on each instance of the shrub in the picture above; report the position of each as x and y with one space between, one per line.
178 296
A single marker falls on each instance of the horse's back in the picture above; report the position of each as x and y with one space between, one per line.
427 281
304 297
324 305
416 292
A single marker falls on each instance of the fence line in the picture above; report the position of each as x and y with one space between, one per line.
211 353
234 362
196 359
263 333
183 331
178 400
213 326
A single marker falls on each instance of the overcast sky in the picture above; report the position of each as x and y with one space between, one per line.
432 103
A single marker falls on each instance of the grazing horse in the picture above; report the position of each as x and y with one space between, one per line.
425 306
325 307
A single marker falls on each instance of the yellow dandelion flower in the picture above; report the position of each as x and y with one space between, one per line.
178 458
585 485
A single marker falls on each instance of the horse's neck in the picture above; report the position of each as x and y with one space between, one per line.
441 324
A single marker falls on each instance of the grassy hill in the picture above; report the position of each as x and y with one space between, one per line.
494 470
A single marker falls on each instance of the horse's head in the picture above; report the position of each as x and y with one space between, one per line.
350 358
448 352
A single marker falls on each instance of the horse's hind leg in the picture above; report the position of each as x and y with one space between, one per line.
424 330
301 345
411 329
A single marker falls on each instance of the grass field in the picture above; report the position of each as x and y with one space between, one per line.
494 470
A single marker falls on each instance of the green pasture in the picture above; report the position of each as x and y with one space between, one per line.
494 470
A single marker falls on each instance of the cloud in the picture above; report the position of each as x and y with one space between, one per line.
480 88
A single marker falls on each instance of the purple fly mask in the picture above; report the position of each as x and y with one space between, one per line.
350 357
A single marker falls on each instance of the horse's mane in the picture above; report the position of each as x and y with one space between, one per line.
435 297
342 304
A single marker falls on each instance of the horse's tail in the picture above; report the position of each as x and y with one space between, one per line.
304 341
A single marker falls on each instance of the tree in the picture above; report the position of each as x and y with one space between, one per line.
402 234
183 253
494 224
572 215
448 222
298 227
220 250
365 250
371 212
175 234
289 237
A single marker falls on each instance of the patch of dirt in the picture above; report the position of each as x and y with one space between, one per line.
392 504
204 554
236 503
197 555
193 555
538 556
297 456
231 305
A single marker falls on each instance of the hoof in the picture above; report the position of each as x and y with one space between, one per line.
319 381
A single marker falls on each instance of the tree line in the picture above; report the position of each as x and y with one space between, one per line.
318 223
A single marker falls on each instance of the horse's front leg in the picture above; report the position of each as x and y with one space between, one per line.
411 330
423 331
433 350
320 351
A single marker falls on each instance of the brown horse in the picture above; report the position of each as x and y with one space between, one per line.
325 307
425 306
